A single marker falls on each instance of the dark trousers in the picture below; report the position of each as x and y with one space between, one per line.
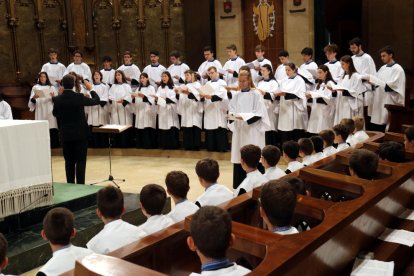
146 138
272 138
54 138
191 138
295 135
216 139
375 127
75 153
168 138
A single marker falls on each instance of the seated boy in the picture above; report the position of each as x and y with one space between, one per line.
208 172
409 139
392 151
317 142
328 137
350 126
277 206
4 261
110 203
290 154
153 198
211 236
270 158
249 160
359 134
341 134
298 185
306 151
178 185
58 229
363 164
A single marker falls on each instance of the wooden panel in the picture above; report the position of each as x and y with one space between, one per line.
7 71
154 35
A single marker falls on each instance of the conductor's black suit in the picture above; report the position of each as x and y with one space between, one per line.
70 113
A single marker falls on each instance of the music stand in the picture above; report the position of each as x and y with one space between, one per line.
110 130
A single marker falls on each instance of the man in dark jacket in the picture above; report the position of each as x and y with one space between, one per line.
69 111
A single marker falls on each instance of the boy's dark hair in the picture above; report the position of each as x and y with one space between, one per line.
392 151
356 40
78 52
3 248
211 231
364 163
68 81
306 146
283 53
127 53
52 50
154 52
208 169
110 202
58 225
291 149
409 133
208 49
260 48
177 183
342 131
251 155
153 198
307 51
331 48
232 47
328 136
317 143
271 154
278 200
349 124
297 184
106 58
175 54
387 49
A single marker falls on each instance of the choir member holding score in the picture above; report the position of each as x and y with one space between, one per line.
177 68
80 68
210 61
130 70
155 69
54 69
42 104
280 73
309 64
232 66
334 65
258 63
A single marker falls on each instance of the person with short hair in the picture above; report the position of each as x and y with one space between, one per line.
328 137
178 185
280 73
209 62
155 69
409 139
250 160
232 65
211 236
58 230
108 73
270 157
317 142
5 109
363 164
306 150
341 134
79 67
208 172
297 184
290 155
4 260
131 71
308 63
277 207
331 50
152 200
54 69
350 126
116 232
260 60
177 68
359 135
392 151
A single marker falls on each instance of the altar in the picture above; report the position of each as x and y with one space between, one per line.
25 166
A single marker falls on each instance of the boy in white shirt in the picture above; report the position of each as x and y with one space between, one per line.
178 185
363 164
208 222
110 203
317 142
306 150
328 137
210 61
177 68
208 172
153 198
155 69
54 69
58 229
277 206
270 157
260 60
309 64
249 161
131 71
359 134
350 125
290 154
232 65
341 134
108 73
79 67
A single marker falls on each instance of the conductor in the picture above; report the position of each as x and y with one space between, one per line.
69 111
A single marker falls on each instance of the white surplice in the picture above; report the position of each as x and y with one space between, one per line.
145 111
44 105
167 115
120 115
191 110
215 112
272 106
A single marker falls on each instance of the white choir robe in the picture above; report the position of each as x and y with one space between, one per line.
55 71
5 111
145 112
272 173
64 259
202 70
214 195
328 151
364 64
253 180
114 235
255 74
120 115
81 69
359 137
233 64
272 106
154 224
318 156
394 78
309 159
308 78
293 166
130 71
336 69
342 146
251 104
182 210
322 116
154 72
280 73
167 115
178 70
108 76
311 67
293 113
348 107
191 111
215 112
98 115
234 270
44 106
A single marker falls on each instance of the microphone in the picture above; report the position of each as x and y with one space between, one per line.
19 228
